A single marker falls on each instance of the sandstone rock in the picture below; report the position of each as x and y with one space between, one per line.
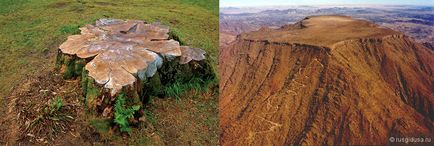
334 81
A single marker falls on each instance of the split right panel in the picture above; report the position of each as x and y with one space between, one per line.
326 72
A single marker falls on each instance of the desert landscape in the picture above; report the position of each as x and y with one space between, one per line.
414 21
287 78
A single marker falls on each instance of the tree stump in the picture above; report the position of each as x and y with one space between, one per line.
127 57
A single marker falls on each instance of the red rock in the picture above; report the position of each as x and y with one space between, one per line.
335 81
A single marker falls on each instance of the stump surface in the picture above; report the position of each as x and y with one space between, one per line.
123 51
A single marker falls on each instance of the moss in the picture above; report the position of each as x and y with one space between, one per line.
173 71
153 87
83 81
92 93
78 67
101 125
69 68
59 61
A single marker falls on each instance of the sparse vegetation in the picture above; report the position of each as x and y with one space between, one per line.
150 117
50 112
56 104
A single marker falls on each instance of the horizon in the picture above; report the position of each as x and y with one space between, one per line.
280 3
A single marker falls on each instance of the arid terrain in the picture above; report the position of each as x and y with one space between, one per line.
328 79
415 21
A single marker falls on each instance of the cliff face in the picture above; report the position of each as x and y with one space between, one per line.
357 89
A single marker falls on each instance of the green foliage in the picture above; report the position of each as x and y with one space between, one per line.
176 35
56 104
179 86
174 90
70 29
123 113
50 112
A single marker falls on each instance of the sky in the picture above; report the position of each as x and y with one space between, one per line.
248 3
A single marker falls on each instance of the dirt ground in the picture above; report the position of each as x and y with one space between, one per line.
29 118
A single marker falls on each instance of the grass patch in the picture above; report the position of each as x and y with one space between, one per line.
31 28
70 29
8 6
179 87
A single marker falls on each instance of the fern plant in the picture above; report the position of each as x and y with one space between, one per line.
122 114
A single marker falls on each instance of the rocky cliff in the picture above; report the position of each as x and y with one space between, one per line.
325 80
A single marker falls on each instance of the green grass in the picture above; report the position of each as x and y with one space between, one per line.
179 87
70 29
56 104
32 30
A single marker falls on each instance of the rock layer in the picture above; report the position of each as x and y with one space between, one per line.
334 81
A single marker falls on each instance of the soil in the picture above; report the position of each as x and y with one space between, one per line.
32 99
189 121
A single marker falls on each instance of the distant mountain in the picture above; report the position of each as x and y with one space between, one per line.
415 21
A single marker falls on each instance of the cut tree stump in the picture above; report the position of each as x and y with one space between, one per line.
130 57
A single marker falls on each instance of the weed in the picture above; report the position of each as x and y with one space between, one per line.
50 112
122 114
56 105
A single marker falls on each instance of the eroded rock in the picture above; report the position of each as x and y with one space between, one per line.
335 81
